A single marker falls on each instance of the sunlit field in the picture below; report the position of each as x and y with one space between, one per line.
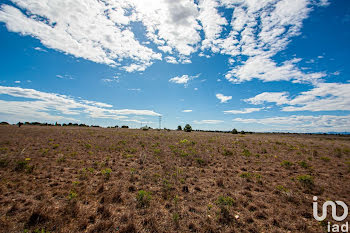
74 179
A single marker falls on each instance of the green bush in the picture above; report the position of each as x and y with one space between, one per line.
306 180
287 164
225 201
106 173
227 152
143 198
304 164
326 159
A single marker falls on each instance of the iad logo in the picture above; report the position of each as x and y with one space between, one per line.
335 227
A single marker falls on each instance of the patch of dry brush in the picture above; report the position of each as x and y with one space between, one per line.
71 179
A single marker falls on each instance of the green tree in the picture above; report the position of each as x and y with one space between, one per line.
234 131
179 128
187 128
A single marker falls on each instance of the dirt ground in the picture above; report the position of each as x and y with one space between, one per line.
74 179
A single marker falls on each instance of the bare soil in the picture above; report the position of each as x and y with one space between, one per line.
73 179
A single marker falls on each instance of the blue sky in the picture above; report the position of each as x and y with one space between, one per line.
272 65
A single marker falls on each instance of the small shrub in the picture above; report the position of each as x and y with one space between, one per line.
227 152
304 164
281 188
246 153
324 158
157 151
55 146
185 141
200 161
106 173
21 165
286 164
338 152
176 218
246 175
4 162
306 180
143 199
225 201
61 159
72 195
224 204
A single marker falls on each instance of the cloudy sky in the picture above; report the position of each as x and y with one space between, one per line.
259 65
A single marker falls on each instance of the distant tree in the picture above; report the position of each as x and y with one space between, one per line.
242 132
234 131
19 124
125 126
187 128
4 123
179 128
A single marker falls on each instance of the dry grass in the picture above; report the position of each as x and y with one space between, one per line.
70 179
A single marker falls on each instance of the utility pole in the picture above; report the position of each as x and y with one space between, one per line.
160 122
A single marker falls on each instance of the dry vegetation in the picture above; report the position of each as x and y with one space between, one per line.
71 179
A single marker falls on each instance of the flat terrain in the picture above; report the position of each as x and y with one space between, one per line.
72 179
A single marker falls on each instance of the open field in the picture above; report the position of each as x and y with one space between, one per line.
72 179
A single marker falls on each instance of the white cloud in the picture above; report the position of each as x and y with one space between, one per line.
110 80
184 79
50 106
164 20
17 82
212 23
87 29
134 89
277 97
64 76
103 31
222 98
301 123
261 29
322 97
244 111
40 49
265 69
187 111
171 59
212 122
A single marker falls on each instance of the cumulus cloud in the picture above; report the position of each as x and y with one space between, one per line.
265 69
277 97
170 59
91 29
186 110
223 98
210 122
104 31
212 23
302 123
50 106
184 79
322 97
244 111
261 29
164 20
